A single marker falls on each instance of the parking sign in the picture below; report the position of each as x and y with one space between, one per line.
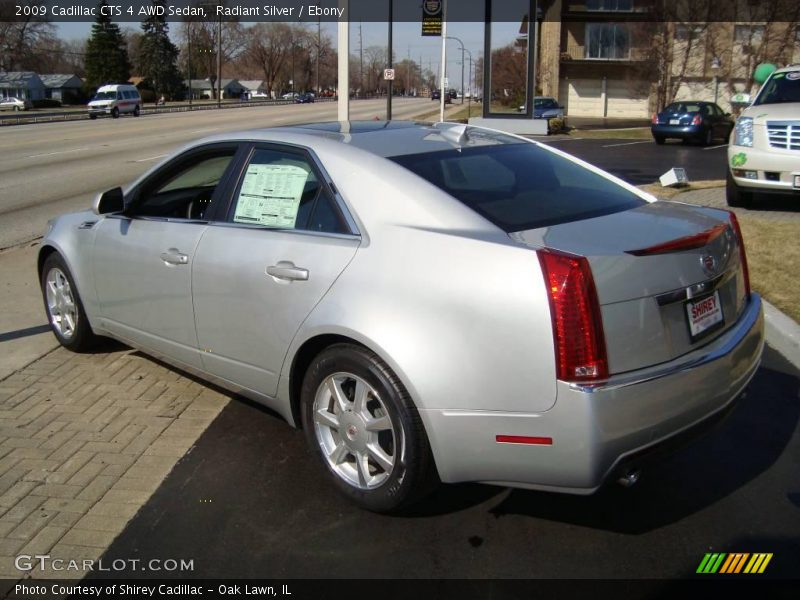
388 74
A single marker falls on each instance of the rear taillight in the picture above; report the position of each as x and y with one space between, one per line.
580 344
654 120
698 120
742 255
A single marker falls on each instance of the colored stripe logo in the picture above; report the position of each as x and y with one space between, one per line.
734 562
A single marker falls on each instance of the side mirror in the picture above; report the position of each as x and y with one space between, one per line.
727 114
109 202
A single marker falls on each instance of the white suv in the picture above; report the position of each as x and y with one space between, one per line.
764 153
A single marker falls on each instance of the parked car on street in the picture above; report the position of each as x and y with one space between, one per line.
304 99
689 120
16 104
290 96
437 95
764 154
428 302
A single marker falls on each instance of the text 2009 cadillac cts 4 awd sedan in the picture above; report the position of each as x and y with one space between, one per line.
428 302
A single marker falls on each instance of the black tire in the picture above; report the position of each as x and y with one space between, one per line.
660 139
82 337
16 109
409 480
115 113
92 117
136 111
708 139
735 196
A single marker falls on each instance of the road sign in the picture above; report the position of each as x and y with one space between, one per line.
446 83
431 17
388 74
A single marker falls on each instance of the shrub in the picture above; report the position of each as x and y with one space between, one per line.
556 125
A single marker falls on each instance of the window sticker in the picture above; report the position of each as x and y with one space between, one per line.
270 195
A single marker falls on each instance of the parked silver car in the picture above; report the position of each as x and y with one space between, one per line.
16 104
428 302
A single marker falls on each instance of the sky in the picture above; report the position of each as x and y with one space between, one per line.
408 40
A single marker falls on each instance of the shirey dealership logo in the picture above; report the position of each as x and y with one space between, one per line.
733 563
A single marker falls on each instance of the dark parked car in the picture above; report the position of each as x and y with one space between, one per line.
437 95
702 122
304 99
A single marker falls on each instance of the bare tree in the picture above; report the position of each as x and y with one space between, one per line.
268 47
24 44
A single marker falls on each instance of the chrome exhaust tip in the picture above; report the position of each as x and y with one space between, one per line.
630 478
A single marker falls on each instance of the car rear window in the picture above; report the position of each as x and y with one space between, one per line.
520 186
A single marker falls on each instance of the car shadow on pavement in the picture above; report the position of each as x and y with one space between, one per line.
775 203
741 448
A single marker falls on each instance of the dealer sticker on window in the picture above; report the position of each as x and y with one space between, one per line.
705 315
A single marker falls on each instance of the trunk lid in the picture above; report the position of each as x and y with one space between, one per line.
646 297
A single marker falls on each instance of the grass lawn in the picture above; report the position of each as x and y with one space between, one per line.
773 256
669 193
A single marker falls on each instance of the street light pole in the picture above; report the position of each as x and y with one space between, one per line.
452 37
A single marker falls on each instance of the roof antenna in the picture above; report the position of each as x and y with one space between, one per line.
455 134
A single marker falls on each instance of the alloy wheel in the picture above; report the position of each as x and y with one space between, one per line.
61 306
355 431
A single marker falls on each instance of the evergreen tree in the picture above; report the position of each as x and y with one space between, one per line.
158 56
106 52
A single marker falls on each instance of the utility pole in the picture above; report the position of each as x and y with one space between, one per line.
360 60
189 62
319 46
219 62
444 60
390 52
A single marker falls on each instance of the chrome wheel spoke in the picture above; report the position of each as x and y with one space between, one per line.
383 460
362 464
339 454
338 394
381 423
61 304
360 398
326 418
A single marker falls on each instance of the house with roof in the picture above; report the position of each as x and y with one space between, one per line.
67 88
201 88
21 84
254 86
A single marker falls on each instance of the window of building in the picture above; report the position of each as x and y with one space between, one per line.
610 41
687 32
748 34
610 5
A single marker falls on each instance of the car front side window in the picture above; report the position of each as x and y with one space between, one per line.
183 189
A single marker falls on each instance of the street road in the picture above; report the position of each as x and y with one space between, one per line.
51 168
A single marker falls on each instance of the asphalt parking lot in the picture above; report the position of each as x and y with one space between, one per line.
642 161
249 501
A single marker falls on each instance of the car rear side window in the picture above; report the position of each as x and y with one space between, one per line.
521 186
281 190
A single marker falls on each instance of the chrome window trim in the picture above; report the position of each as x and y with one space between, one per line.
342 236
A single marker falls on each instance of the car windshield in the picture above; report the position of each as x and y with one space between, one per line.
544 103
520 186
105 96
781 88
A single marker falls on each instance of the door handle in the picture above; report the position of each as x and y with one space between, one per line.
174 257
287 271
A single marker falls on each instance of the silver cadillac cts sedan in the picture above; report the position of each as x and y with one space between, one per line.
428 302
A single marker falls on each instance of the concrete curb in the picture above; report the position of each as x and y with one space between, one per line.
782 334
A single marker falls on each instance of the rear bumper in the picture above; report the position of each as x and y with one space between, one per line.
596 429
677 131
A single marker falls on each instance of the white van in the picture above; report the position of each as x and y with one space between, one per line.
115 100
